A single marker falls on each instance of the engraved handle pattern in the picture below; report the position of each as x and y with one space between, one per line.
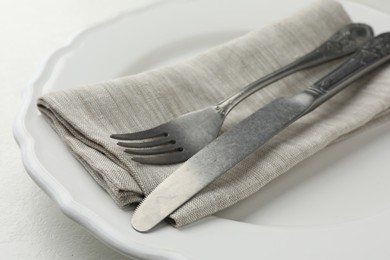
372 54
347 40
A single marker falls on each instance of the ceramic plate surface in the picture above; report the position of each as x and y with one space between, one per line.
333 206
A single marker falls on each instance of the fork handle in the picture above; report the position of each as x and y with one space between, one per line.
346 41
371 55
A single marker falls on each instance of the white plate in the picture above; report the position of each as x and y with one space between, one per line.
333 206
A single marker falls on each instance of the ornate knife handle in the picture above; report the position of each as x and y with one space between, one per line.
374 53
345 41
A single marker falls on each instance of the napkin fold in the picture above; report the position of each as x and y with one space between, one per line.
84 117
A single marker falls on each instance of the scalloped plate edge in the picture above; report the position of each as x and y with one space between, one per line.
43 179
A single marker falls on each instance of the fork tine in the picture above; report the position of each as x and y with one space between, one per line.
157 142
153 151
167 158
149 133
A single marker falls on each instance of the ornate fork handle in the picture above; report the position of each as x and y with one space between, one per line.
344 42
371 55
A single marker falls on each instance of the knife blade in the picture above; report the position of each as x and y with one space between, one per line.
244 138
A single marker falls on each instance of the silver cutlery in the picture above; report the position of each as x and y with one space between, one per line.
180 138
244 138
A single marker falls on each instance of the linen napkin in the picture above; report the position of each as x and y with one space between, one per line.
84 117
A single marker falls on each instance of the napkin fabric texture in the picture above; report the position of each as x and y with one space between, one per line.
84 117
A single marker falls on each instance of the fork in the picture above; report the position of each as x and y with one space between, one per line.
180 138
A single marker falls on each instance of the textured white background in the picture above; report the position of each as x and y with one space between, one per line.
31 225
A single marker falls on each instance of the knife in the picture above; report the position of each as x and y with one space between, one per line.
244 138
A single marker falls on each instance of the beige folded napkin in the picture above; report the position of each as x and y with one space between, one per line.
84 117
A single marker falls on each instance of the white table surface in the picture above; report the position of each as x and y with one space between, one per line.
31 225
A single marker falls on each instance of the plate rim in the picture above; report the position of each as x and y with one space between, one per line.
70 207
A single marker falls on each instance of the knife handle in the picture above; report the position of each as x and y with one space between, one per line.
374 53
344 42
